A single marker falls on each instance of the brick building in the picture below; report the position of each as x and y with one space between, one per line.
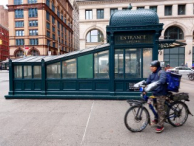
39 26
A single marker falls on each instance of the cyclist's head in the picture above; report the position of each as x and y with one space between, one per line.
154 65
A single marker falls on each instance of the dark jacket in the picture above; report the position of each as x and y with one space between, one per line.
161 89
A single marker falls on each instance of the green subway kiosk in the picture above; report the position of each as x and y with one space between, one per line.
107 71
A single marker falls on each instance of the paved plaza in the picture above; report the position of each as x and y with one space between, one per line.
27 122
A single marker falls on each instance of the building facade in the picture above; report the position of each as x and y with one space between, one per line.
40 27
177 17
3 16
4 43
75 24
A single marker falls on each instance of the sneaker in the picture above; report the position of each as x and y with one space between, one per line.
154 122
159 129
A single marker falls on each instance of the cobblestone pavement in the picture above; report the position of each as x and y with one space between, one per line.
81 123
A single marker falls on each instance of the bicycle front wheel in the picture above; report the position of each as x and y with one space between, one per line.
136 118
177 114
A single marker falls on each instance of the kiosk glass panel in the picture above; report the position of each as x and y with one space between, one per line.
147 59
69 68
18 72
101 63
27 72
133 63
119 67
54 71
37 72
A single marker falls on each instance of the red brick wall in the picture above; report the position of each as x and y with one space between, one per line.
4 48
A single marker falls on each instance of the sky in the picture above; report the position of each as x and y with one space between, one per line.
4 2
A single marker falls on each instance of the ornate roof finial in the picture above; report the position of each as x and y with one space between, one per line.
130 6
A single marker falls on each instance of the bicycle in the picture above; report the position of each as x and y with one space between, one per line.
137 116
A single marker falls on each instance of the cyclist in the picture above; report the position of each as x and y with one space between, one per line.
159 92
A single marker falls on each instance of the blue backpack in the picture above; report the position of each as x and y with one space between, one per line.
173 81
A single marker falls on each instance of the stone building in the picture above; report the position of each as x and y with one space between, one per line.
177 16
40 27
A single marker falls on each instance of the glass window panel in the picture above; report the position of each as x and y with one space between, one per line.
147 58
101 63
133 63
54 71
94 32
94 39
18 72
37 72
27 72
69 69
119 70
168 10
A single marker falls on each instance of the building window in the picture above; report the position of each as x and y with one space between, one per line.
154 8
58 24
19 53
19 33
54 71
101 65
54 44
19 42
53 20
168 10
62 17
48 34
33 23
140 8
95 36
19 24
48 3
174 32
32 1
53 36
53 28
53 7
33 12
48 25
69 68
181 9
33 41
174 56
33 32
88 14
58 14
113 10
34 53
19 13
47 16
18 2
100 13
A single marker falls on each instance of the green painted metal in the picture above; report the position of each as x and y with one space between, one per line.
85 66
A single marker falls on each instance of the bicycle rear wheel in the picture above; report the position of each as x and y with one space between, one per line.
136 118
177 114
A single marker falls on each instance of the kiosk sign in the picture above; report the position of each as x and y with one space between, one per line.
133 39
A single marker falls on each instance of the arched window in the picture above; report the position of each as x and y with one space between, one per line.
94 36
19 53
34 53
174 32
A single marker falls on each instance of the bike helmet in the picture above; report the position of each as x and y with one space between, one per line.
155 63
